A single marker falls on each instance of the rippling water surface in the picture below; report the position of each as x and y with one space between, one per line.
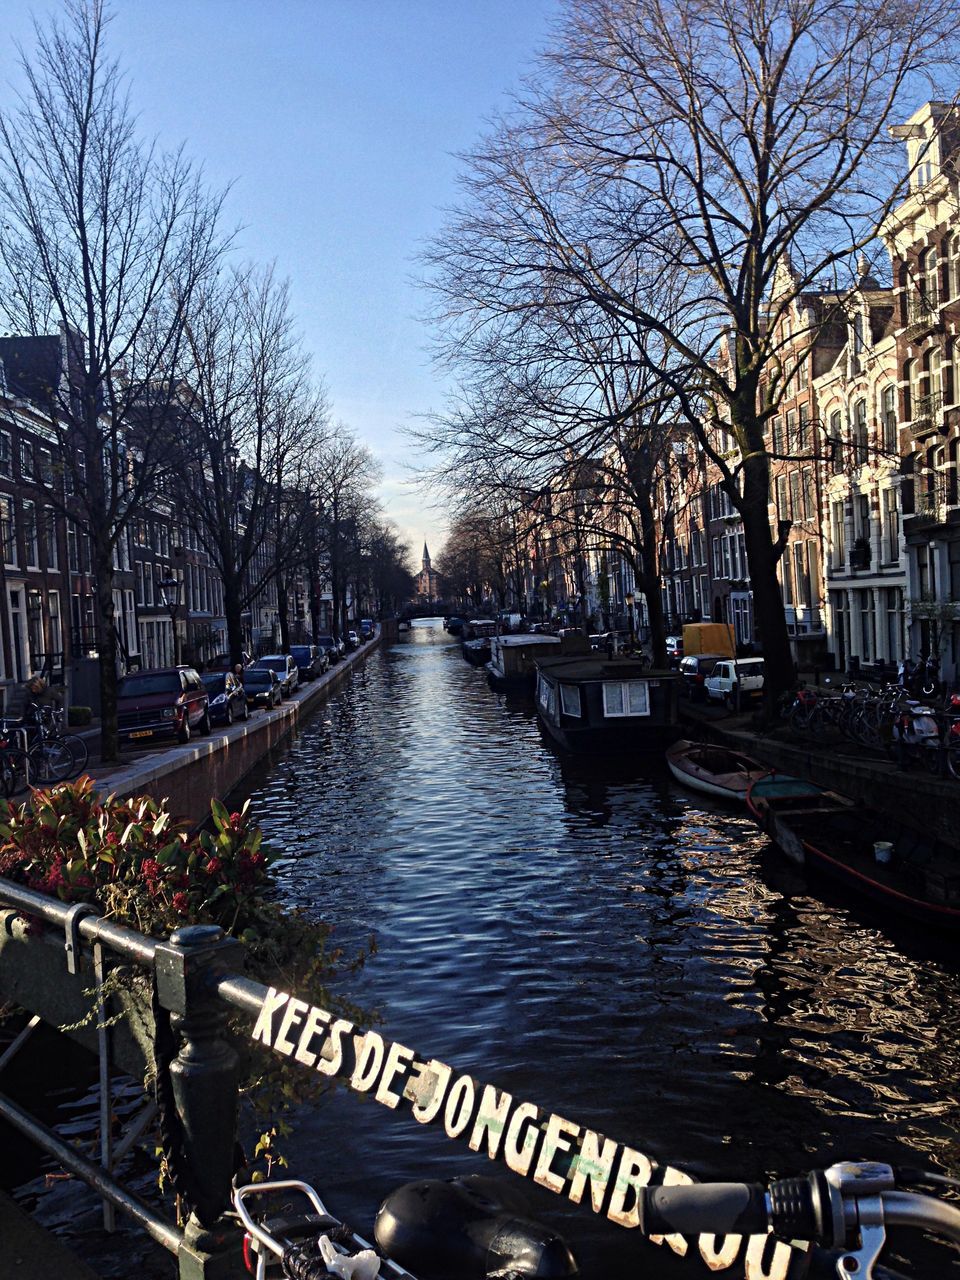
596 940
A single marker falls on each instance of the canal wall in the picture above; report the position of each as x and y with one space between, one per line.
189 776
929 805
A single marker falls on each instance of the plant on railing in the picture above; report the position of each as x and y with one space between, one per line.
148 872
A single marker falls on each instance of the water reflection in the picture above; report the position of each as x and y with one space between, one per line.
592 938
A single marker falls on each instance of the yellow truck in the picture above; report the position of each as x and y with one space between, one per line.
709 637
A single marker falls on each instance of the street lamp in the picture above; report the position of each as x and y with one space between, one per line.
629 599
169 589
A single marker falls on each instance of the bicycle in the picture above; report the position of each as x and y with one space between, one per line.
467 1228
844 1210
55 756
51 722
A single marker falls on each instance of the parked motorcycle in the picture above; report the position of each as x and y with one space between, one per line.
915 736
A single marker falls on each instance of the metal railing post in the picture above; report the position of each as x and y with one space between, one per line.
203 1086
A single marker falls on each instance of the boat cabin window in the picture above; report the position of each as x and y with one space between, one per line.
547 695
626 698
570 700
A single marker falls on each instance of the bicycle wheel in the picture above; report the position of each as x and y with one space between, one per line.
49 762
953 762
78 750
14 771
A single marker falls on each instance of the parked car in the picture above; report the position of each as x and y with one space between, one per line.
262 687
222 662
353 640
228 702
733 677
285 665
169 702
367 629
331 646
311 661
674 651
694 671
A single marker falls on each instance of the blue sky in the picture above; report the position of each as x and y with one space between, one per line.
337 121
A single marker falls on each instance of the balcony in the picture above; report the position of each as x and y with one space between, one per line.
923 316
927 414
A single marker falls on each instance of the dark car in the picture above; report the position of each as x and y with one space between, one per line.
286 668
169 702
367 629
694 671
311 661
228 702
262 687
332 647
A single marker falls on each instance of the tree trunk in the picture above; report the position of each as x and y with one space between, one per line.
763 553
107 649
283 605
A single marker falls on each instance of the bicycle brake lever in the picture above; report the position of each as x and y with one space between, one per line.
859 1262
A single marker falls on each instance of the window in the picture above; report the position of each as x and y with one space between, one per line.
6 454
809 506
888 415
783 501
27 461
929 283
796 499
625 698
836 439
860 432
30 535
570 700
8 531
48 534
777 436
891 524
837 525
803 431
792 431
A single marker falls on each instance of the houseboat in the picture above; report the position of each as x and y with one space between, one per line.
595 703
513 659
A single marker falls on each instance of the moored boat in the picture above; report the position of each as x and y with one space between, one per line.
714 770
513 659
476 652
595 703
866 850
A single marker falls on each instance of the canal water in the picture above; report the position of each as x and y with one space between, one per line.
592 938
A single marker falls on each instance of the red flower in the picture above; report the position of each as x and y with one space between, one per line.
151 869
181 903
214 866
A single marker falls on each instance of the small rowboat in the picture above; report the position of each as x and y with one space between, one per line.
869 852
715 770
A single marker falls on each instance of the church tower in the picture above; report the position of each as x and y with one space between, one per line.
426 559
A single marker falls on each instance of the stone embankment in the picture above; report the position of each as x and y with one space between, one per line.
189 775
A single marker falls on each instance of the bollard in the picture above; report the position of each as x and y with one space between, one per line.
204 1082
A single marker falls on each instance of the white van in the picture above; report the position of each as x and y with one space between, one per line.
732 675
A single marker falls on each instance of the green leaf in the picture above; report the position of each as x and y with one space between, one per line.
219 813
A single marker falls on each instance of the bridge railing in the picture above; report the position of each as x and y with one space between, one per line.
181 1003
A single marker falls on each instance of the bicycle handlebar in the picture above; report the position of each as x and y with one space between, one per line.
845 1207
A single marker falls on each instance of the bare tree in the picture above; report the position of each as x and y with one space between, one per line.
344 474
252 420
741 146
105 240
